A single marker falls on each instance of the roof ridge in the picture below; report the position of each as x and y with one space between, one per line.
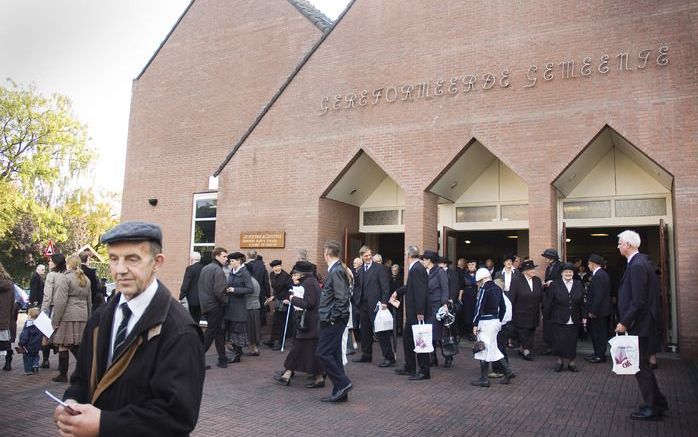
319 19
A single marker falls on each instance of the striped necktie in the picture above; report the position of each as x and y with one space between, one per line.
121 333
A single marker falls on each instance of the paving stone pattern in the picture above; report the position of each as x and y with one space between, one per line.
244 400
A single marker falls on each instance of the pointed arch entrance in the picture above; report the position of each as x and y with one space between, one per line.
612 186
483 206
380 205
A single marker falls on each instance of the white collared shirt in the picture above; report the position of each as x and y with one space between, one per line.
507 278
595 270
137 305
412 263
367 266
530 282
329 267
631 256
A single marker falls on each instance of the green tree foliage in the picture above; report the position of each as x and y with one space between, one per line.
44 159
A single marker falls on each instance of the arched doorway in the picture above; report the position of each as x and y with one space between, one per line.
612 186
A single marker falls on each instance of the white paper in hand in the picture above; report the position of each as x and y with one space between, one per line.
44 324
298 291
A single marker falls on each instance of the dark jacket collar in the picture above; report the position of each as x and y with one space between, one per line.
155 314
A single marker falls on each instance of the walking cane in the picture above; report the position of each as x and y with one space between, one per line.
283 340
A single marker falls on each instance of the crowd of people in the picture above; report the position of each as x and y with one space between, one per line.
322 317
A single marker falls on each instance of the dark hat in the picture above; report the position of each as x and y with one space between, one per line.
568 266
303 267
510 256
431 256
58 259
527 265
597 259
133 231
550 253
275 263
236 255
445 260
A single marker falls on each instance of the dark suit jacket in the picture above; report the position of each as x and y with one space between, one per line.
599 294
638 297
97 298
416 293
190 284
36 288
259 271
525 302
454 283
561 304
159 391
371 285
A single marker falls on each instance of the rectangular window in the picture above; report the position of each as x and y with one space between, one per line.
381 218
515 212
204 223
587 209
465 214
640 207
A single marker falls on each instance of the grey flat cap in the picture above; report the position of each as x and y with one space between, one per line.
133 231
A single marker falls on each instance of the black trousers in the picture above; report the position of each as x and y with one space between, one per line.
408 344
195 312
384 338
329 353
598 330
214 332
649 388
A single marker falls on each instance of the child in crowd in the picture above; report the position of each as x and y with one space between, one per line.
30 342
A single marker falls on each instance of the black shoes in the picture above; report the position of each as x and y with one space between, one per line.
283 381
647 413
339 396
363 359
572 368
403 371
314 384
596 360
222 364
480 382
419 376
387 363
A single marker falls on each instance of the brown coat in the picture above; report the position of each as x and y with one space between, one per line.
7 303
53 280
71 302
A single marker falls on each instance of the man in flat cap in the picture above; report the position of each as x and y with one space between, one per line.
140 370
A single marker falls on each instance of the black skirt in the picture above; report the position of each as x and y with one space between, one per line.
302 357
565 340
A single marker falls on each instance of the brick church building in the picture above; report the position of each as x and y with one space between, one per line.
476 129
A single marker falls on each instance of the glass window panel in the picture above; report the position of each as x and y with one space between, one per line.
205 208
205 252
515 212
381 218
640 207
588 209
476 214
204 232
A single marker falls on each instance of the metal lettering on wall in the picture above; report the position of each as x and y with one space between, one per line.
265 239
584 67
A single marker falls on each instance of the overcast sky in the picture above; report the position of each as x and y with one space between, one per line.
91 50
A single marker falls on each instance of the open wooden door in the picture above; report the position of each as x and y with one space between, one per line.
449 244
352 244
563 243
664 279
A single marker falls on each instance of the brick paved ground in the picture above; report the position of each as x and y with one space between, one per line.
244 400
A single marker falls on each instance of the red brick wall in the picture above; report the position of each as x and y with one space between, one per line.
277 177
220 66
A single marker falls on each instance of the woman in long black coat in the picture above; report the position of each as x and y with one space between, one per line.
302 356
438 296
397 280
526 293
564 308
239 286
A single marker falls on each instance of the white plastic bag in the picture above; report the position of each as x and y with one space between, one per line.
422 338
383 321
625 353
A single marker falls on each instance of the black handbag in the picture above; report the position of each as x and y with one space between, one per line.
478 346
449 346
301 323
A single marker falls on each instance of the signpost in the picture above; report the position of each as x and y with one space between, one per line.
49 249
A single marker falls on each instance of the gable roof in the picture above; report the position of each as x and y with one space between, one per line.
313 14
